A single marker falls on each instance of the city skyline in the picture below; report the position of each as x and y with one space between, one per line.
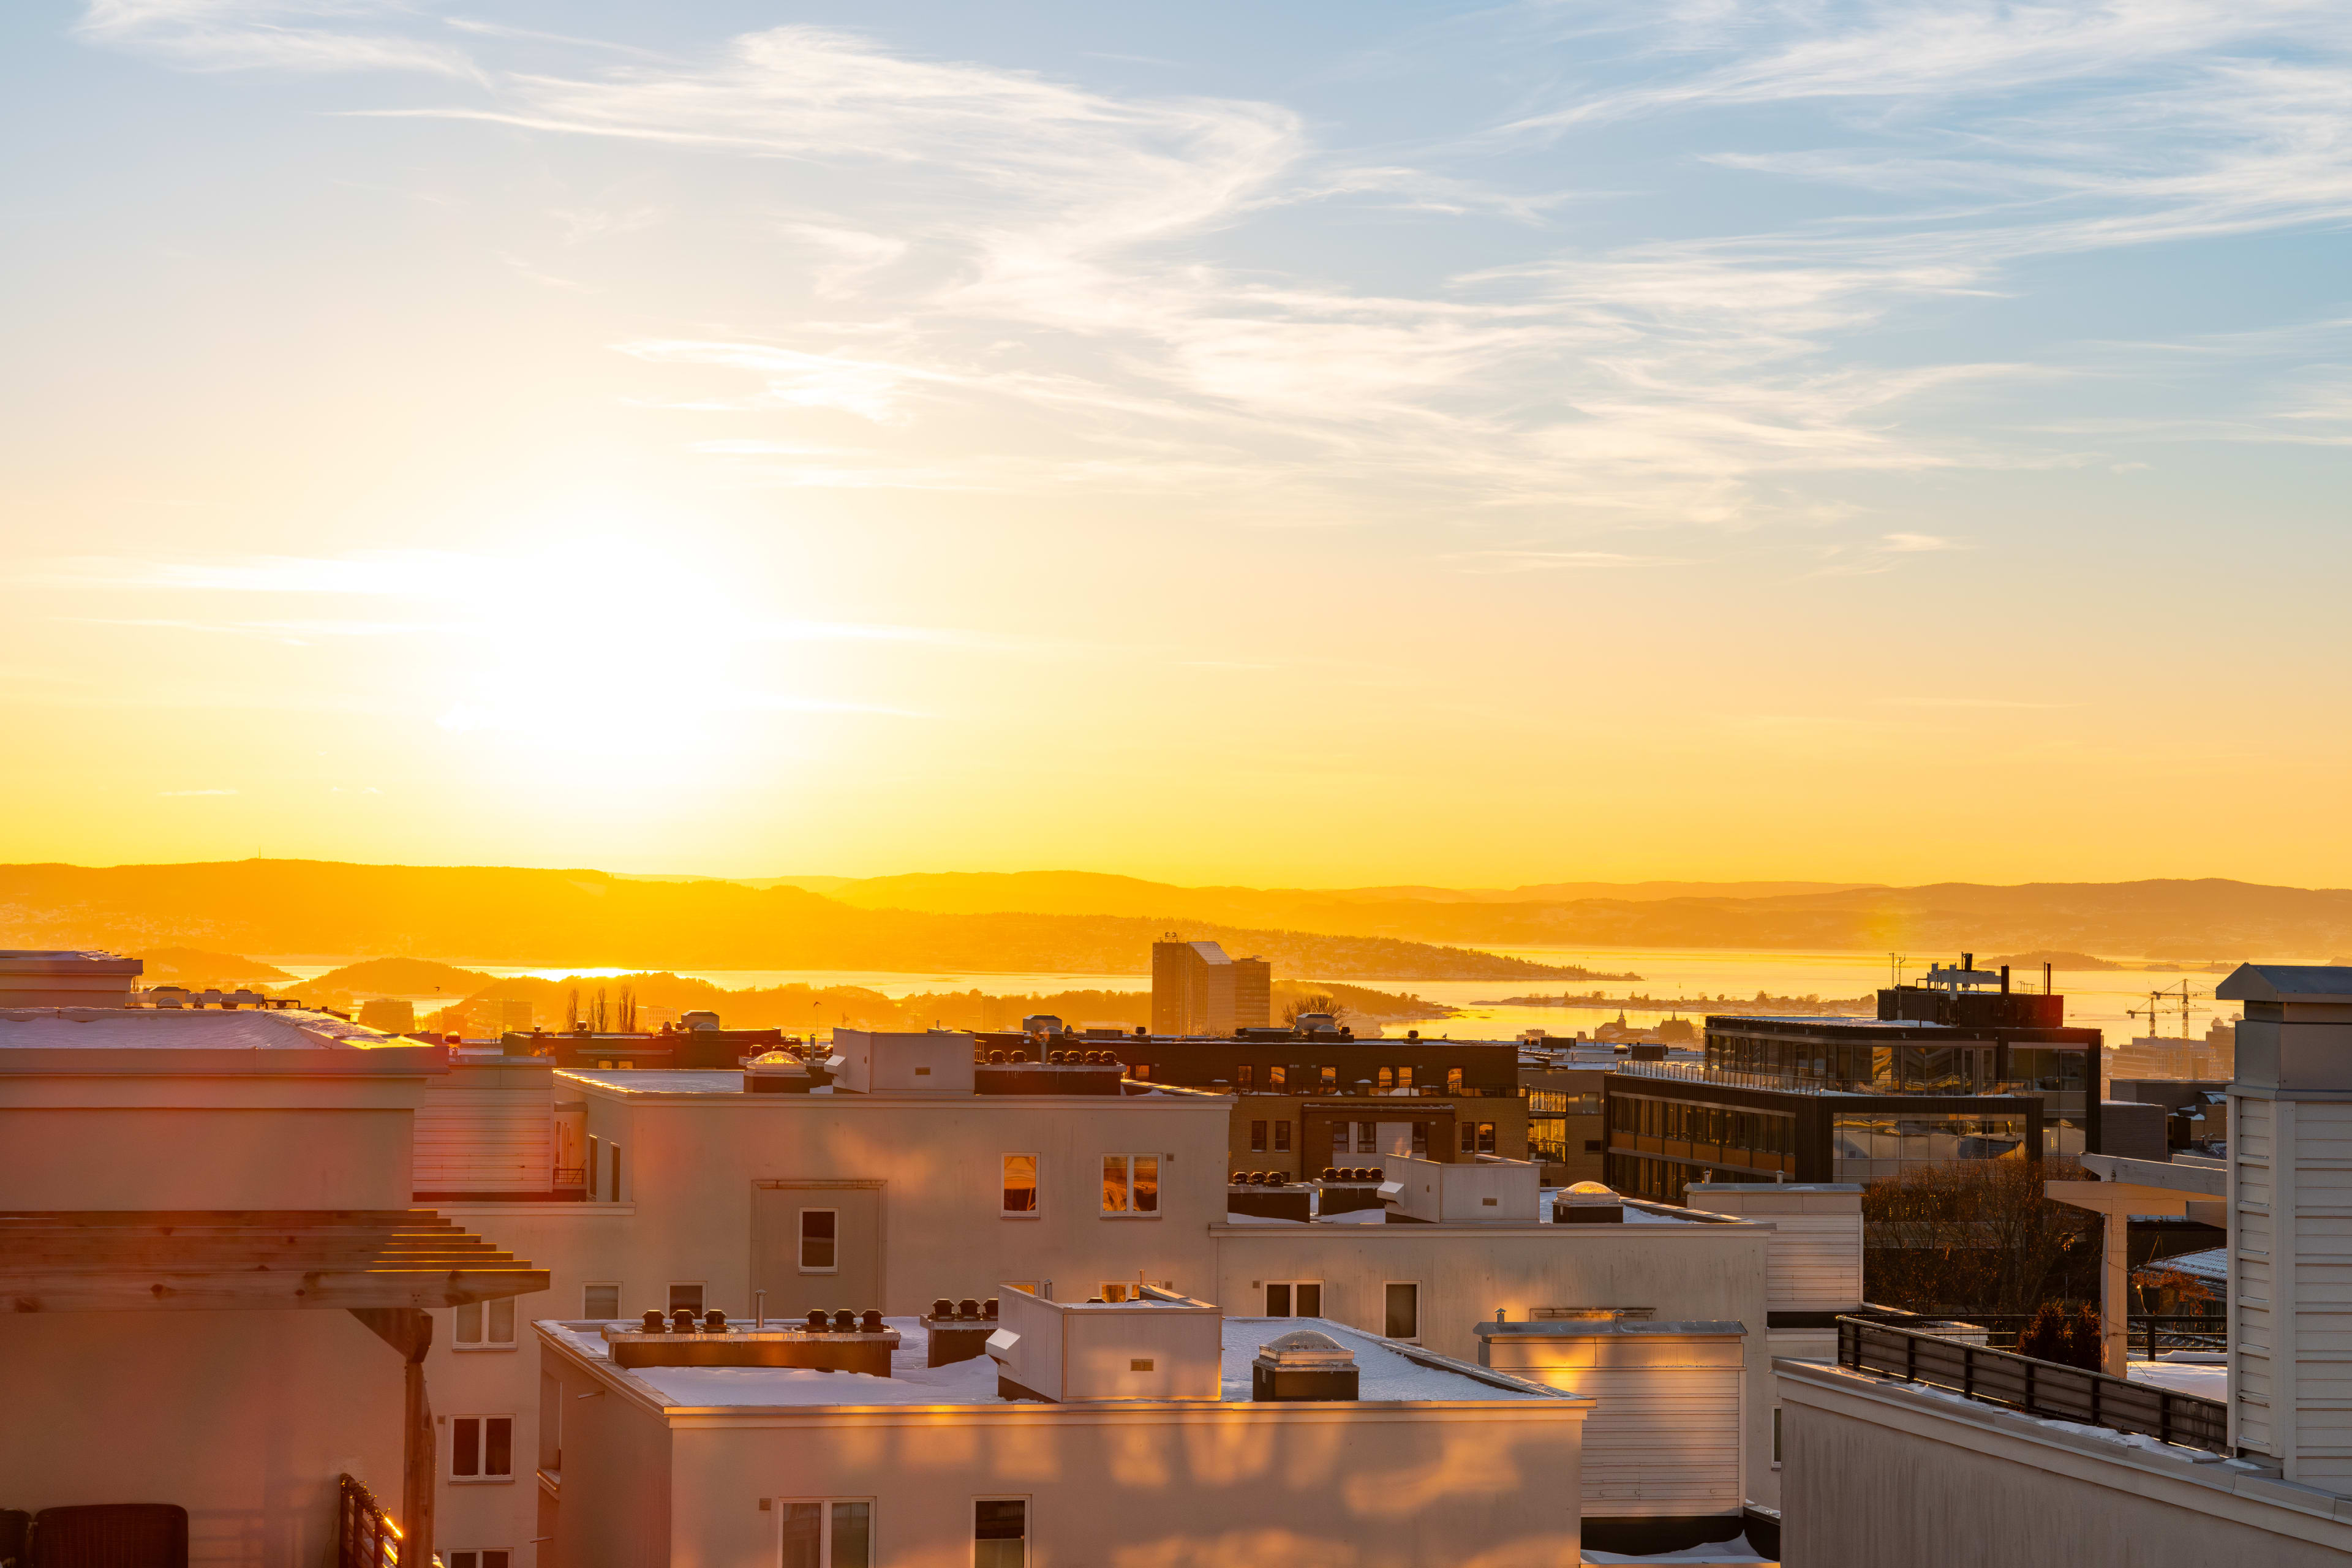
1472 447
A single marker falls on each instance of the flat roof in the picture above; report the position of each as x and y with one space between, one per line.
167 1040
1386 1374
714 1083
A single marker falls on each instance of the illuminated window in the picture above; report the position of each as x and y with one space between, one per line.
1277 1077
1453 1080
1330 1079
1404 1078
1387 1077
1020 1183
1131 1184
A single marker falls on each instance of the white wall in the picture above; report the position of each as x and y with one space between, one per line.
245 1419
1200 1486
1473 1191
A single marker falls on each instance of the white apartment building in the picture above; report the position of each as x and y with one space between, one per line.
1167 1437
216 1288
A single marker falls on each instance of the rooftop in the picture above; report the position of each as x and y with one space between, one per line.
714 1083
125 1039
1387 1372
2287 982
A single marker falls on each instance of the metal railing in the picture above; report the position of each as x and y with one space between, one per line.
571 1175
1730 1077
2148 1333
365 1536
2036 1387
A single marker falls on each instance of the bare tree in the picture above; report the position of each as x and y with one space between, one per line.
1316 1003
1974 1235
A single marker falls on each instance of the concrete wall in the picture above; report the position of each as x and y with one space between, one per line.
1218 1486
1080 1352
204 1157
1876 1474
245 1419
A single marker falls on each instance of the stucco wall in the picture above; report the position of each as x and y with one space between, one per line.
208 1157
690 1167
1227 1486
1916 1488
245 1419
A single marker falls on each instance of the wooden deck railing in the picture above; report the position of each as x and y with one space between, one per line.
365 1536
2036 1387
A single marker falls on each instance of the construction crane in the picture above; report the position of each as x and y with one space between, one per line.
2165 1000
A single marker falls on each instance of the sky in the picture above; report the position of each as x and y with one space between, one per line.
1309 445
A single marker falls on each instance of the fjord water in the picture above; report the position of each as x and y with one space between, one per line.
1689 982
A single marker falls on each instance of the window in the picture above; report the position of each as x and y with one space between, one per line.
827 1534
1477 1138
1274 1077
1403 1310
1282 1137
1000 1532
686 1295
477 1557
1485 1138
1338 1137
1330 1081
601 1303
595 1165
1257 1137
1453 1080
817 1241
1776 1436
1368 1137
1131 1184
1142 1071
485 1325
1592 1145
1242 1075
1020 1183
1404 1078
1387 1077
1294 1298
482 1448
616 1172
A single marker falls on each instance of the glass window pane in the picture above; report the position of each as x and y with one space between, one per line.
1311 1301
497 1456
602 1302
465 1447
1277 1300
1021 1183
470 1323
1114 1191
817 1239
1147 1183
804 1535
502 1321
853 1535
686 1295
1403 1312
1000 1519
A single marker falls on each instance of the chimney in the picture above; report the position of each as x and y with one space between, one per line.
1303 1364
2290 1120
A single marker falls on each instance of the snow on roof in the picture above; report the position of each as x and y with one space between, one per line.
2212 1264
172 1029
666 1081
1385 1372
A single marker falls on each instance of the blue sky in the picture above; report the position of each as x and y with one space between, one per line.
1902 380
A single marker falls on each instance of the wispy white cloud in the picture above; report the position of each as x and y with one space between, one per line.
1061 258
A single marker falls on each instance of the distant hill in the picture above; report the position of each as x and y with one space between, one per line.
488 914
202 970
2189 919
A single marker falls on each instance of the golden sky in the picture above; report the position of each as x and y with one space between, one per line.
1461 448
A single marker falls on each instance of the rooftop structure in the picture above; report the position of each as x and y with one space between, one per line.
949 1464
44 977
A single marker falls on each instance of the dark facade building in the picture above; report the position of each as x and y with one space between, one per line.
1961 1067
1309 1097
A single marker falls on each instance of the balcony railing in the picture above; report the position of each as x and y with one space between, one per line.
1729 1077
2036 1387
365 1536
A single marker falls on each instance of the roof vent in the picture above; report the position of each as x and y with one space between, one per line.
1303 1364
